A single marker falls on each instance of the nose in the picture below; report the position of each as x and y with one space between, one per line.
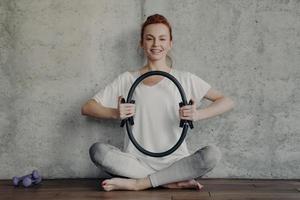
155 42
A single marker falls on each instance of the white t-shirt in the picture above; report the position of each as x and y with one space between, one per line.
156 119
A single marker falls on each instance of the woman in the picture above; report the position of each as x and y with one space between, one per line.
157 115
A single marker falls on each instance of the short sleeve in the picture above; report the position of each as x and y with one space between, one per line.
108 96
199 87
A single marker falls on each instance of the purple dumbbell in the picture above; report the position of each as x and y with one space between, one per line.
27 181
33 175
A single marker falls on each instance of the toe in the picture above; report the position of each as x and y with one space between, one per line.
103 183
199 186
107 188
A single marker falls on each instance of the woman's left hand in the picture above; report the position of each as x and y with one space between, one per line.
188 112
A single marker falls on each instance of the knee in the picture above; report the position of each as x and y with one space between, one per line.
211 155
97 151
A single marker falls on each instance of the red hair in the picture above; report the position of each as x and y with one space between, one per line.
156 19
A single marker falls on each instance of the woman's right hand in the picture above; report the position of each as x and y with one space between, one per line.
125 110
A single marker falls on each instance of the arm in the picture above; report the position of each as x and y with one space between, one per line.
220 105
93 109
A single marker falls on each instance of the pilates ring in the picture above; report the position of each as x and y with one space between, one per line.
183 123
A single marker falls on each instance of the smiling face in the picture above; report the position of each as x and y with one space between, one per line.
156 41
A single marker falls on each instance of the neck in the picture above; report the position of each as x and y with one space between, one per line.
159 65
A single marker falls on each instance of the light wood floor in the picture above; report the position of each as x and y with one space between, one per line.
214 189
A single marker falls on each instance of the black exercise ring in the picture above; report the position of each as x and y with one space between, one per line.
183 123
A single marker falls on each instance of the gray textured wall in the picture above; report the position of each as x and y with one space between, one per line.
54 55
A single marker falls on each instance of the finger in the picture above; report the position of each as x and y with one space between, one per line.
182 114
181 110
186 115
126 108
186 118
128 105
130 115
122 116
125 112
130 110
186 107
126 115
186 112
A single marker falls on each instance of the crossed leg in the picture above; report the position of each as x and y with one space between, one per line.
180 174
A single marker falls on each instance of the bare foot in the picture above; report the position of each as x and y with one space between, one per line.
119 184
185 184
125 184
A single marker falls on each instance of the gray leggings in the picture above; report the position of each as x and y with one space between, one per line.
116 162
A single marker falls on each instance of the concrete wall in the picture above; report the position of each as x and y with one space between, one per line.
55 55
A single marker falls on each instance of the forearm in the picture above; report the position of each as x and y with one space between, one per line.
104 113
92 109
216 108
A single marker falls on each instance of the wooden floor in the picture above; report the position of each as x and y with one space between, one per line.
214 189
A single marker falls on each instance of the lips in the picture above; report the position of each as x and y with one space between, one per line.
156 51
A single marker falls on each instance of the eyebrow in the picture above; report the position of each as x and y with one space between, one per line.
158 36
